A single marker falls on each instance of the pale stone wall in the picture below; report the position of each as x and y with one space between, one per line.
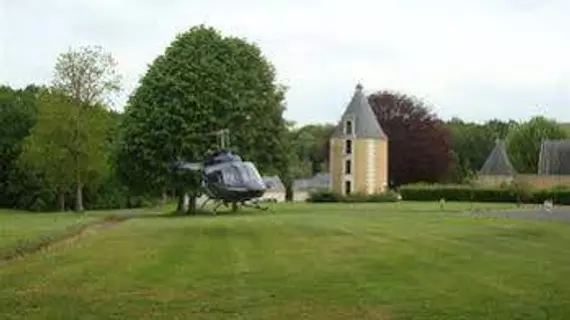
360 165
369 165
335 165
534 180
279 196
382 169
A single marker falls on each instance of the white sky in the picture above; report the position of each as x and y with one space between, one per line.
477 59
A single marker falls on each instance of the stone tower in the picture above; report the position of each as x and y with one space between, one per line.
359 150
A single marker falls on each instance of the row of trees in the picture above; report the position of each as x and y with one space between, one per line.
61 143
57 139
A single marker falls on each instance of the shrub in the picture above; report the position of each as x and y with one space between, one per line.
324 196
522 191
557 195
389 196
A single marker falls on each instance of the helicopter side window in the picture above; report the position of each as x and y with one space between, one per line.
251 172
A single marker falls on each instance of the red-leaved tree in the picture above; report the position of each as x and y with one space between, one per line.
420 147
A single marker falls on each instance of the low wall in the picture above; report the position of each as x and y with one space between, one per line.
536 181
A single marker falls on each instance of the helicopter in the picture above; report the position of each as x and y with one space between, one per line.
226 179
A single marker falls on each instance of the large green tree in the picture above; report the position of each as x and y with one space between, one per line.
68 144
524 140
88 76
203 82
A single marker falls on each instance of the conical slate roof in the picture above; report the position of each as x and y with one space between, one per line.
498 162
554 157
364 122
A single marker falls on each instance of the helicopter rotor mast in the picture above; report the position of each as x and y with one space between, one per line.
222 136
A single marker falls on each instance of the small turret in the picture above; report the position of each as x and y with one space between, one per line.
359 149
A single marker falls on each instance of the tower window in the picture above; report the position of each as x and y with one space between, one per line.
347 167
347 186
348 127
348 147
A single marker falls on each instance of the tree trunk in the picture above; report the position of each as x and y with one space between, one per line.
192 204
289 192
61 200
79 197
180 206
164 196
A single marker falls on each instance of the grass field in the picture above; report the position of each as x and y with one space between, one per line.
326 261
19 230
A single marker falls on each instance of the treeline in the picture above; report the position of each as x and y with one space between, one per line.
37 145
57 142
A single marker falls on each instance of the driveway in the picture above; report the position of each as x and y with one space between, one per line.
557 214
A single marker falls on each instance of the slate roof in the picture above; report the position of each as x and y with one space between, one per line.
365 123
498 162
554 158
319 181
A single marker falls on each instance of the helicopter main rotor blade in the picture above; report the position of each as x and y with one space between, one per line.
194 166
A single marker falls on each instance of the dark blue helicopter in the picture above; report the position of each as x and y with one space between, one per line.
227 179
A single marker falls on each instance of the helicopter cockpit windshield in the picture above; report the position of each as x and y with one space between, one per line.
237 173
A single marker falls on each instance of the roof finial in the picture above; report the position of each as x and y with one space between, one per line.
359 87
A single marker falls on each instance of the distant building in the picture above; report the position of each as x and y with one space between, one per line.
276 189
321 181
498 162
553 167
359 150
554 158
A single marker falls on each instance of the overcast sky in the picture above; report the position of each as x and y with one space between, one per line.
476 60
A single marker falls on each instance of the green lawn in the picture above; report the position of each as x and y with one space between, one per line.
302 261
18 229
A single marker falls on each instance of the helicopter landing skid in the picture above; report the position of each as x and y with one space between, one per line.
234 205
255 205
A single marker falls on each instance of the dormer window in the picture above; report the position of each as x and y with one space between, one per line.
348 129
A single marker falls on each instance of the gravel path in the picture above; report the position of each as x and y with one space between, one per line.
557 214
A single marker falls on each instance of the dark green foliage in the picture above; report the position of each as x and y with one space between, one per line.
202 83
329 196
27 188
311 148
17 116
557 195
324 196
512 193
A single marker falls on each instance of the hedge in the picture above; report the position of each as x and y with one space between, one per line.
511 193
329 196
